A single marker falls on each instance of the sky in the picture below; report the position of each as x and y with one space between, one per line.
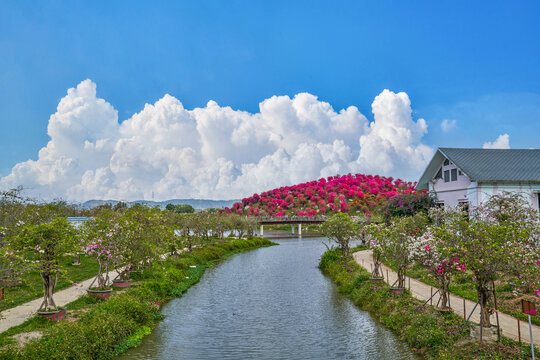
221 99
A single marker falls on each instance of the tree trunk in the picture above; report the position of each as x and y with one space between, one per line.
48 291
483 297
401 278
444 291
376 273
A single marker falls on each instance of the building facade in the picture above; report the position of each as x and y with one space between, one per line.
471 176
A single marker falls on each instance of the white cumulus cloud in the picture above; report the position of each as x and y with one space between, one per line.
216 152
448 125
502 142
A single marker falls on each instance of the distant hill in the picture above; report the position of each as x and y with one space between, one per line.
196 203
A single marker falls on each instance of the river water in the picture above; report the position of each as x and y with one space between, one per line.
268 303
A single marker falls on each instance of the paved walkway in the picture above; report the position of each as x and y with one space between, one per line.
422 291
19 314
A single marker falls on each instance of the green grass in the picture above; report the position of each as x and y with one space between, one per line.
105 329
431 334
32 286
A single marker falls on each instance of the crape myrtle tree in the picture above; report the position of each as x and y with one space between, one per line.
377 235
437 249
141 230
188 224
341 229
220 224
495 241
102 239
16 212
41 247
398 238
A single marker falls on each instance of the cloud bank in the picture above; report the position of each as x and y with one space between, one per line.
216 152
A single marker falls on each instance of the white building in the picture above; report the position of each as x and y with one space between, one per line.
470 176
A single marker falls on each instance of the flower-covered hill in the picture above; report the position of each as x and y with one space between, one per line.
350 193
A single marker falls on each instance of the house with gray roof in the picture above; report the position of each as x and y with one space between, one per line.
470 176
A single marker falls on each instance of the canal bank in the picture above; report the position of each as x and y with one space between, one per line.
270 303
97 329
431 333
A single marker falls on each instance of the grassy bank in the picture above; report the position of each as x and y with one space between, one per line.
31 286
103 329
463 285
430 333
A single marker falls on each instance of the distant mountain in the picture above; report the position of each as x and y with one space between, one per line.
196 203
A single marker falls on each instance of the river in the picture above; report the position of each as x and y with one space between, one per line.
268 303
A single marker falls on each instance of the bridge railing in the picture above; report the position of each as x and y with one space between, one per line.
278 219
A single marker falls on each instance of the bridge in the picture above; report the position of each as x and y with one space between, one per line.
290 220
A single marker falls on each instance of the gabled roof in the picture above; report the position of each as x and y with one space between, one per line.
488 165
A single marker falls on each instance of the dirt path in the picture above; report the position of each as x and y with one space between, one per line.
422 291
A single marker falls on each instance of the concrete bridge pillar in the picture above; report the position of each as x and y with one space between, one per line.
300 229
262 230
292 229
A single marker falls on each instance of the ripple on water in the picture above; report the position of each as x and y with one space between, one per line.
269 303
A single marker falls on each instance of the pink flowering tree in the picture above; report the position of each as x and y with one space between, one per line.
377 235
41 247
102 241
398 238
437 251
495 243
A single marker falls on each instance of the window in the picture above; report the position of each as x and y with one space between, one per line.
460 173
446 162
439 204
438 175
464 205
454 174
446 175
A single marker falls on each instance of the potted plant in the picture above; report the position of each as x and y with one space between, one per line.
376 236
102 242
41 247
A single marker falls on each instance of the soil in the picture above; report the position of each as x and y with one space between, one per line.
25 337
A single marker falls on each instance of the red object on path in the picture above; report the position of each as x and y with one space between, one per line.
53 315
99 294
121 283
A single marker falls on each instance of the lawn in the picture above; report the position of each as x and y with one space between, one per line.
31 286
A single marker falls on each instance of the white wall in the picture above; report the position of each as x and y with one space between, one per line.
452 192
480 192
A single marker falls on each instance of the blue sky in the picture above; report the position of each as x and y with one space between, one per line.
473 62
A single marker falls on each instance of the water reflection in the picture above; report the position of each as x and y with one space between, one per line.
270 303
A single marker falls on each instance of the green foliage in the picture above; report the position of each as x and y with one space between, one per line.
180 208
109 328
341 229
432 334
407 205
31 286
